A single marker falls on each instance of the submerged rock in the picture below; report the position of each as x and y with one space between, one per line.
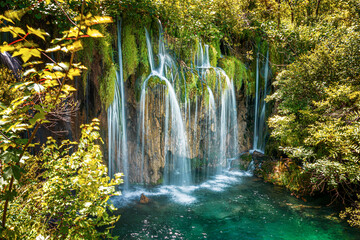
144 199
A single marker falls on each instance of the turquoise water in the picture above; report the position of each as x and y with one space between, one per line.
230 206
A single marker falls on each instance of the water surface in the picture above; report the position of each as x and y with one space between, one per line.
234 205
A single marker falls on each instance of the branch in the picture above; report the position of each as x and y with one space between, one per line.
65 13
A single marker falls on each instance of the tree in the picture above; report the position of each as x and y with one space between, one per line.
42 91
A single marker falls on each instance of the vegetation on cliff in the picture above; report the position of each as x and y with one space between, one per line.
314 53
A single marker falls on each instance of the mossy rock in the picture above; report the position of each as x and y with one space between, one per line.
228 65
108 78
107 86
214 53
211 78
130 53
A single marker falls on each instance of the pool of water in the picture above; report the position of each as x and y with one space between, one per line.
234 205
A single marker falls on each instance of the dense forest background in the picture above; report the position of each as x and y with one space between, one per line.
314 48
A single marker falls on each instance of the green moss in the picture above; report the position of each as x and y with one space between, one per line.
107 86
197 163
214 53
228 65
154 81
241 74
250 87
130 52
107 77
160 181
188 51
108 74
264 46
211 78
86 56
143 53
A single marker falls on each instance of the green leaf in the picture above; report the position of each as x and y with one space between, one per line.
9 195
17 171
8 157
2 105
38 116
7 173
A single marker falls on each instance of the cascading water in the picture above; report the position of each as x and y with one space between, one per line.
117 133
226 115
12 63
260 106
220 128
177 164
207 121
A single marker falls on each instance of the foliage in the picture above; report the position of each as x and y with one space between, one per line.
65 192
287 173
43 91
317 119
129 51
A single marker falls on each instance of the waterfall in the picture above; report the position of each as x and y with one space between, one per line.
12 63
260 106
212 126
227 129
177 164
214 113
117 136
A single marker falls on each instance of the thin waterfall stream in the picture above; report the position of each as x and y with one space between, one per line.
117 132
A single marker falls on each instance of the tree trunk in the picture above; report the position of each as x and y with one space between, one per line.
317 8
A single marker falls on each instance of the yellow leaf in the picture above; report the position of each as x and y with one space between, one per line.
98 20
6 19
15 14
74 72
76 46
73 32
7 48
79 66
54 49
94 33
27 53
38 32
32 63
15 31
68 88
27 72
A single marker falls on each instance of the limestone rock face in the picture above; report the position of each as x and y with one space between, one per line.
150 167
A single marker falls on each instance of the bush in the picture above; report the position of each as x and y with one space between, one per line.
65 192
